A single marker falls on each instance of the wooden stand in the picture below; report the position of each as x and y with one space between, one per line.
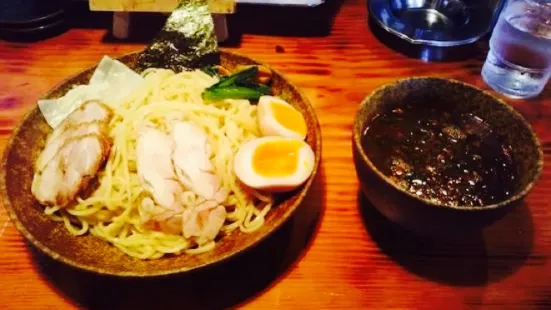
122 23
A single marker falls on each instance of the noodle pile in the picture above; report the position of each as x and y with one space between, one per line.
112 212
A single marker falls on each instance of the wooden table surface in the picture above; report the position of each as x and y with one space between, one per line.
337 252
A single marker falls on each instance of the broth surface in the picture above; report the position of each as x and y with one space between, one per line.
449 159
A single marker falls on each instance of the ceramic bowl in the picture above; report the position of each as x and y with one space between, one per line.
92 254
421 215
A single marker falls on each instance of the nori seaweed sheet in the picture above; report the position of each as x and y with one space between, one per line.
187 40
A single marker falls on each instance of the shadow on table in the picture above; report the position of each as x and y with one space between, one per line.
286 20
476 259
221 286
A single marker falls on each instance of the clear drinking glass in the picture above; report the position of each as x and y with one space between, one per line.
519 62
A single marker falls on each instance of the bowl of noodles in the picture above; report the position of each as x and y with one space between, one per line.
118 209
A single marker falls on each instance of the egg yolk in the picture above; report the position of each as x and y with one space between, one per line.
276 158
288 117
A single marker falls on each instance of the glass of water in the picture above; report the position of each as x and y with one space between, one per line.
519 62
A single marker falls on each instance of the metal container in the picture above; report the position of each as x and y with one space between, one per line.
428 28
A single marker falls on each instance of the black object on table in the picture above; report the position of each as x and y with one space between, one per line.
31 20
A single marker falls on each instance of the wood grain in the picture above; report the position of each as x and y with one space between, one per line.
337 252
216 6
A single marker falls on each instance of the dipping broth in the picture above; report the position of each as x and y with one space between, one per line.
450 159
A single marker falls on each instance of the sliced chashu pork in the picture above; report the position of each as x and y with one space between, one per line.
191 159
157 176
204 221
154 164
73 155
168 165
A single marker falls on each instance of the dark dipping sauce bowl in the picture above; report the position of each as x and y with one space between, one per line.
422 215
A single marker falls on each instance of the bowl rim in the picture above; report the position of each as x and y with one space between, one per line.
358 132
304 189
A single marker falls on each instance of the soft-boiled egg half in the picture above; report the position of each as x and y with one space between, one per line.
276 117
275 164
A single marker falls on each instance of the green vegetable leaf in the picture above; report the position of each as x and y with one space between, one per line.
235 92
265 90
241 85
245 77
210 70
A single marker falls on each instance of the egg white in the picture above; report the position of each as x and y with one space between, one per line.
268 124
247 175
